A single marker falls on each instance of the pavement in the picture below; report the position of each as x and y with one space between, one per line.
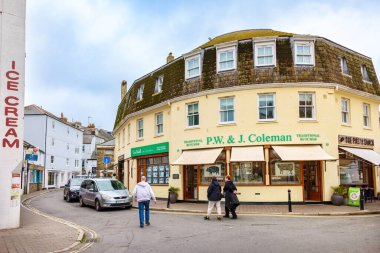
40 232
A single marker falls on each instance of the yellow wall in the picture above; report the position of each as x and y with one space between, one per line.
327 124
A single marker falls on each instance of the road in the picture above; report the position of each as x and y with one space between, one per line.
119 231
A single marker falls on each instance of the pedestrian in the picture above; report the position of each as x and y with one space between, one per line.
214 195
231 201
143 193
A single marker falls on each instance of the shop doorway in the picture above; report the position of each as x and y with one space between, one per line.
312 181
191 182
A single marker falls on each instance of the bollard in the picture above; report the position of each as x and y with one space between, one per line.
289 201
361 199
168 204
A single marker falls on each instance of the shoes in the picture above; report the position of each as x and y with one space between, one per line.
141 226
234 218
148 223
219 218
226 216
207 218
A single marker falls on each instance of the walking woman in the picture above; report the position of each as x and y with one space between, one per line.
214 195
231 199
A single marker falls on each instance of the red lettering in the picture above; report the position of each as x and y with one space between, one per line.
11 122
11 131
9 110
11 85
14 143
12 75
7 101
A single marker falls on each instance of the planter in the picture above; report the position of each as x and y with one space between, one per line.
337 200
173 197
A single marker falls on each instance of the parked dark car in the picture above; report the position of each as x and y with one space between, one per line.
104 193
71 190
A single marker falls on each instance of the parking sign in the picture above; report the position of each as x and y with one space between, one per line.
106 159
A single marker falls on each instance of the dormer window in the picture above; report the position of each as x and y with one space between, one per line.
140 92
344 67
158 86
365 75
192 66
304 52
226 58
265 54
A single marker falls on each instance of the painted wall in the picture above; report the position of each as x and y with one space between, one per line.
12 83
327 126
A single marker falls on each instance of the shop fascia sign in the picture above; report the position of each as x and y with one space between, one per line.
252 138
150 149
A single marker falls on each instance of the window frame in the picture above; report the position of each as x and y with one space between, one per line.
158 85
366 116
138 129
194 114
219 51
312 52
129 133
220 111
364 72
264 44
140 92
314 111
274 107
347 111
343 61
123 137
157 125
187 70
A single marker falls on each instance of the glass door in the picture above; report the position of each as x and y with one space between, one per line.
312 181
191 182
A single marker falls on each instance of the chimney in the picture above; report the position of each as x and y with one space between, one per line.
123 89
169 58
62 115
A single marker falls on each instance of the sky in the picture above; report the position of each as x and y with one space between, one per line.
79 51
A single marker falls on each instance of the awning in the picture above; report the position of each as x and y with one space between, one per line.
246 154
199 156
366 154
302 153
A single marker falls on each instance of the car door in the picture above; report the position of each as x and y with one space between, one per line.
83 191
91 192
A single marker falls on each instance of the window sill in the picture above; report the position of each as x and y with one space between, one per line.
367 82
307 121
141 139
193 78
158 93
226 124
138 101
265 66
226 71
192 128
367 128
346 125
158 135
347 75
304 65
266 121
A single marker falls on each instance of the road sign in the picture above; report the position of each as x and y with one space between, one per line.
31 157
106 159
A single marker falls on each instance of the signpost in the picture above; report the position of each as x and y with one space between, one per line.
106 161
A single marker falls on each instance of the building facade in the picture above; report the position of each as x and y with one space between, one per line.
33 168
61 141
107 149
274 110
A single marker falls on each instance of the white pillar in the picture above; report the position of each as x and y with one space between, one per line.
12 82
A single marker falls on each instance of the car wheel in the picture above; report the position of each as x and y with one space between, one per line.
81 203
68 199
97 205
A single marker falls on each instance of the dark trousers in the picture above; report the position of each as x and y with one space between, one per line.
232 210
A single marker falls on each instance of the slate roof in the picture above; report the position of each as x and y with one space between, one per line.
108 143
327 69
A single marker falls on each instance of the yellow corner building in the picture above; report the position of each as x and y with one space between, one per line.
274 110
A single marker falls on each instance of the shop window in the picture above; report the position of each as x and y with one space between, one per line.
248 172
366 115
140 92
158 85
306 106
140 129
155 169
344 66
192 115
227 110
364 72
267 107
193 68
304 53
217 170
345 111
283 173
265 54
226 58
353 171
159 123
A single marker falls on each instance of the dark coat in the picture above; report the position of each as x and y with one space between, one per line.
214 191
229 194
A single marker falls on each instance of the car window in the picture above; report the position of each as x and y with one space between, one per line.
76 181
110 185
84 184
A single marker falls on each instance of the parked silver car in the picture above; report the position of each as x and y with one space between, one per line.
104 193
